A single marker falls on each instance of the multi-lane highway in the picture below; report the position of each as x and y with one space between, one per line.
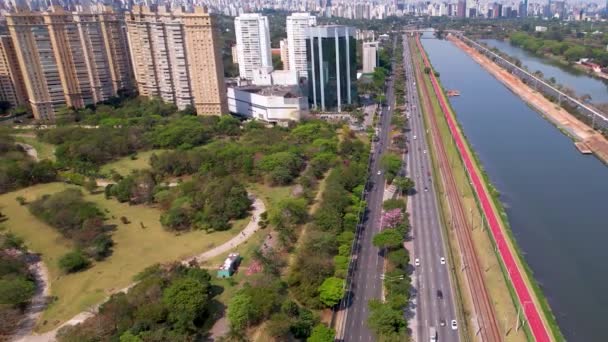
366 282
431 278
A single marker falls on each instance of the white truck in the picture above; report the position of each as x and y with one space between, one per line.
433 334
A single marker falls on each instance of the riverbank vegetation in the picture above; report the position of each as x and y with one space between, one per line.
563 42
552 43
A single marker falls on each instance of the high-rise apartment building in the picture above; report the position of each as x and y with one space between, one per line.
253 43
332 56
297 34
204 54
12 88
176 56
284 53
370 56
114 32
462 8
69 59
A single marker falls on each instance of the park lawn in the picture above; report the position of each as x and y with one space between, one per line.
125 165
45 150
496 285
271 195
135 249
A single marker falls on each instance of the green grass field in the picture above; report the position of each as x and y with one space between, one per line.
125 165
135 249
45 151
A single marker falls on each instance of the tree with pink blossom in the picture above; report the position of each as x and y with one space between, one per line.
391 218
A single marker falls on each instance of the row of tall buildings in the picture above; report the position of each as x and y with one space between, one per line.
320 60
58 58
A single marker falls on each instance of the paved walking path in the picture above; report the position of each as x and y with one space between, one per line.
26 335
30 150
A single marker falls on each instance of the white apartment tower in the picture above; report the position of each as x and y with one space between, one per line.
370 56
253 43
297 34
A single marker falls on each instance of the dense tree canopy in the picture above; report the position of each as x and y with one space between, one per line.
205 202
322 333
387 323
331 291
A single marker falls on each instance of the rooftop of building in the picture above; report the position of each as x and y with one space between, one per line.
329 31
232 257
274 90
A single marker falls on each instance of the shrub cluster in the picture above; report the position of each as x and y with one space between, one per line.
78 220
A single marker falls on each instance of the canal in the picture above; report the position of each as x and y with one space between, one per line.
554 196
572 78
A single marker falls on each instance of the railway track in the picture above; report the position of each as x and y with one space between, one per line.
486 322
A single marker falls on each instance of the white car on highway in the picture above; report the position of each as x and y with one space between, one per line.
454 325
417 262
442 260
379 172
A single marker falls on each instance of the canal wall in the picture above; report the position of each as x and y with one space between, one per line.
516 79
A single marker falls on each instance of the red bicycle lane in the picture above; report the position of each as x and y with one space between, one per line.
523 293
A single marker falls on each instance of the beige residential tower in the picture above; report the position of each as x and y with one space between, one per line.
176 56
71 59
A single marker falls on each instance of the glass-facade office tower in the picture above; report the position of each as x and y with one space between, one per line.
331 56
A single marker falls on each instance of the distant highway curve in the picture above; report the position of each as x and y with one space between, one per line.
535 321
